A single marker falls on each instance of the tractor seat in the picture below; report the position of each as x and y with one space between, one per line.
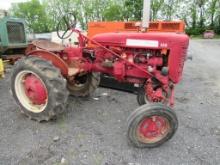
48 45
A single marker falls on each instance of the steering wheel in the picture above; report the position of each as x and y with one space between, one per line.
66 23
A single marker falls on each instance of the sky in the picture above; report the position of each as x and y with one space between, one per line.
6 4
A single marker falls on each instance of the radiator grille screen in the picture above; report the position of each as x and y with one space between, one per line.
16 32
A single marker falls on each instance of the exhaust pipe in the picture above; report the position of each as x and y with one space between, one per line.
146 14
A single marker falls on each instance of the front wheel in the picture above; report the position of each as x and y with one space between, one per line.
38 88
142 97
151 125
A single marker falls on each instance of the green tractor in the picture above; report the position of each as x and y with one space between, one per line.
13 40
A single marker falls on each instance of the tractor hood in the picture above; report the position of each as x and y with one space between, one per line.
142 40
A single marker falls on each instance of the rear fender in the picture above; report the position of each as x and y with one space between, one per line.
55 59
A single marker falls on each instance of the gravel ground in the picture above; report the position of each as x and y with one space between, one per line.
93 132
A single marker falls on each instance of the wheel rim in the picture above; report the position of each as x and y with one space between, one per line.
31 91
153 129
146 99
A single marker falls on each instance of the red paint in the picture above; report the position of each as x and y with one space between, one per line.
176 43
119 71
155 61
154 95
73 53
153 127
133 64
54 58
35 90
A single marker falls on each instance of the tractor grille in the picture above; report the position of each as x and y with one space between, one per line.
182 60
16 33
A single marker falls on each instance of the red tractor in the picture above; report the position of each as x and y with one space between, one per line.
43 79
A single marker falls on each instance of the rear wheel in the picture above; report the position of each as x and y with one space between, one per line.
143 98
38 88
151 125
83 85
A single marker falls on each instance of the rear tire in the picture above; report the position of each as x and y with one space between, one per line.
51 79
151 125
88 83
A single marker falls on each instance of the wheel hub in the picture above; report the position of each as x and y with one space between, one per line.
31 91
35 89
153 129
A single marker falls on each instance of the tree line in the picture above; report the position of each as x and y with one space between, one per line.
43 16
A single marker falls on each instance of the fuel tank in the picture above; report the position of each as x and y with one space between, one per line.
176 44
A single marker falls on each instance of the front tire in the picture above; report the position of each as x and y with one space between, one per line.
151 125
38 88
142 97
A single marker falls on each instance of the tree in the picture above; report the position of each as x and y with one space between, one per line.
56 9
201 5
170 8
133 9
86 11
35 15
86 8
184 12
212 10
193 15
43 15
156 6
217 18
113 12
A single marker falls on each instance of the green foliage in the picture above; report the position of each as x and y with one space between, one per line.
43 15
35 15
55 9
113 13
133 9
155 8
195 31
217 24
212 11
169 8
